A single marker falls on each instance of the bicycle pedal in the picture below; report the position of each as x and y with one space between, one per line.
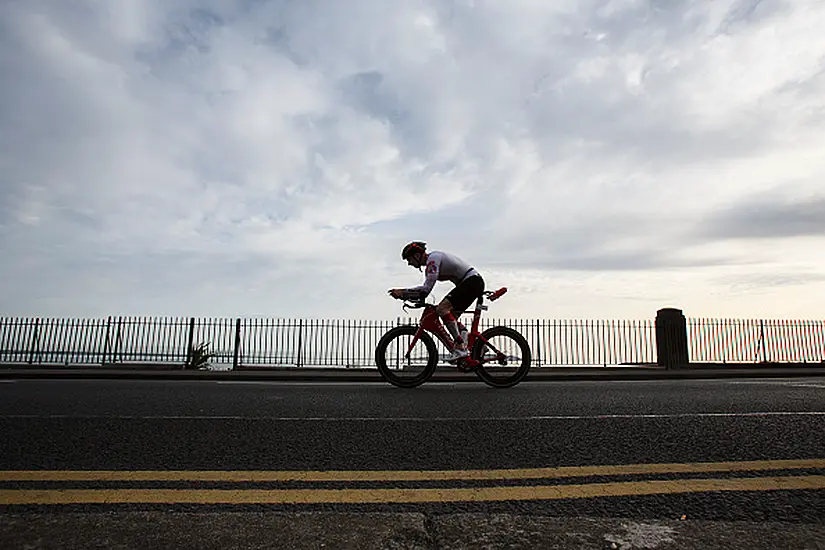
464 367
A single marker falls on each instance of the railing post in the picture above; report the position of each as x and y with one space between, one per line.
3 351
34 341
191 340
106 342
300 340
237 343
762 340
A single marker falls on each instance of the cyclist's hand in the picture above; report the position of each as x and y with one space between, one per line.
397 293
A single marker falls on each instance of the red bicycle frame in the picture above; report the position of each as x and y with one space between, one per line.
431 322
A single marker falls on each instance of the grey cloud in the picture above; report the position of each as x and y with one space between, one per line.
365 92
640 260
608 243
653 258
768 217
369 93
748 12
505 92
650 123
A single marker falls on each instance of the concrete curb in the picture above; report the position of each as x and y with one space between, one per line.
307 374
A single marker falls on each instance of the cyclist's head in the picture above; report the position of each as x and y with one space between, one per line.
411 252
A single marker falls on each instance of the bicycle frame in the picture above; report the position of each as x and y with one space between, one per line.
431 322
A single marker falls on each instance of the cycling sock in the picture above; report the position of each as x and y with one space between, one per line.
462 330
452 326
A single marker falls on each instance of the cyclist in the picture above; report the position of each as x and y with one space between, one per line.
443 266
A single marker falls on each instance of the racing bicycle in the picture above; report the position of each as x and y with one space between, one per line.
407 355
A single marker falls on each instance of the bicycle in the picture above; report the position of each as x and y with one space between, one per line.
407 356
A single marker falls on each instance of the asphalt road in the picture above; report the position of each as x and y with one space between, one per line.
618 464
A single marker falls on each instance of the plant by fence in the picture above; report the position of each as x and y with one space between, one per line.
259 342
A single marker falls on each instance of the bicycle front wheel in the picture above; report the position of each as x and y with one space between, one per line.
504 357
402 364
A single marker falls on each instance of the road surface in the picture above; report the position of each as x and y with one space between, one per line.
615 464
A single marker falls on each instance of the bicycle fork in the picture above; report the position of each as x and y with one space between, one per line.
432 323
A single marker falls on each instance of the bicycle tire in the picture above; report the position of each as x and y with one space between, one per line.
388 374
485 370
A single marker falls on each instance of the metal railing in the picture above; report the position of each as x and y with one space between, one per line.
756 340
258 342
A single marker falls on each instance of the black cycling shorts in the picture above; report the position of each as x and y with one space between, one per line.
465 293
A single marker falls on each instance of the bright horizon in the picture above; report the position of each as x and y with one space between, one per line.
603 159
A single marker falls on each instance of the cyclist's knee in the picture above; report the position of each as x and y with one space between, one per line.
444 307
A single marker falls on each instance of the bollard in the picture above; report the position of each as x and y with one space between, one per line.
671 339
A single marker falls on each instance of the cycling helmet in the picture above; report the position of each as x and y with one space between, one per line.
412 248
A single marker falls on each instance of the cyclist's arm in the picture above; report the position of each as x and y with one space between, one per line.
430 277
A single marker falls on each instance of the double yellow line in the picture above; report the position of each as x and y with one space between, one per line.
794 481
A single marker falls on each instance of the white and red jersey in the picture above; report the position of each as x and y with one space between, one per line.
441 266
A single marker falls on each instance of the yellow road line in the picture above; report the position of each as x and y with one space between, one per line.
407 475
352 496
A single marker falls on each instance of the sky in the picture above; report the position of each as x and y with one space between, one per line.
602 159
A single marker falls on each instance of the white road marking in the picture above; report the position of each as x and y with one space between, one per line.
784 382
294 383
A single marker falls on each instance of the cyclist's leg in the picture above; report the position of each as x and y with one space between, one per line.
457 301
445 311
462 296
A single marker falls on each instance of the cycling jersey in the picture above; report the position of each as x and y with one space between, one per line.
441 266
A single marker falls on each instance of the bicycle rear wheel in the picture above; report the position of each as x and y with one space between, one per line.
403 369
504 357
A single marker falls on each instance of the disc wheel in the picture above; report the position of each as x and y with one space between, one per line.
399 364
504 357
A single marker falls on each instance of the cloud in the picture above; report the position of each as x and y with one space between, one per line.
262 156
750 283
770 216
